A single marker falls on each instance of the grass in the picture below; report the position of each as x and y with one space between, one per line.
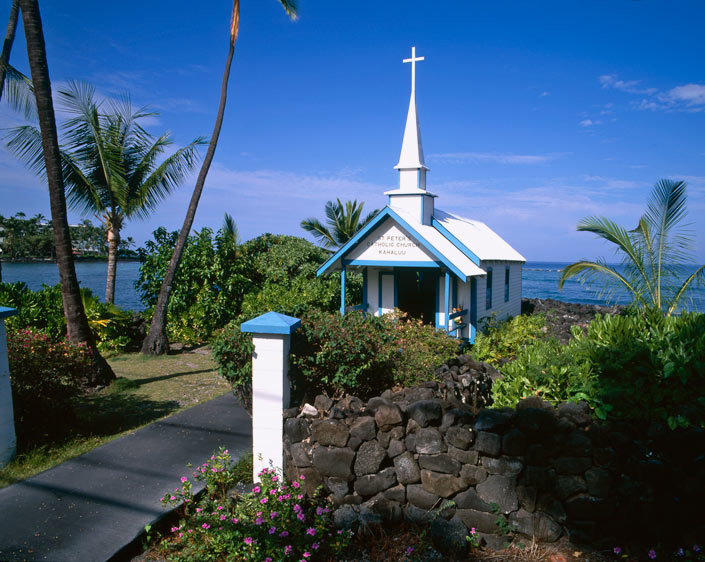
147 388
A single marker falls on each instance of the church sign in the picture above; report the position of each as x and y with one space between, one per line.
389 243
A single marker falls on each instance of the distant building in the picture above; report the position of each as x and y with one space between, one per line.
448 270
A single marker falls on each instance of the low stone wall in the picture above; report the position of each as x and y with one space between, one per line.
548 471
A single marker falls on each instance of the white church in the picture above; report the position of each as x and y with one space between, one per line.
448 270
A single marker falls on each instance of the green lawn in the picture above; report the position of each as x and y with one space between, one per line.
147 389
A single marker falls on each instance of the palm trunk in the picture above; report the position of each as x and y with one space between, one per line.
113 242
76 322
156 342
7 44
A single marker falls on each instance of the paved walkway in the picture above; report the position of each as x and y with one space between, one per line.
89 507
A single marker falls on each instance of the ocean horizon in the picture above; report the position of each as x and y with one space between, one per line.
539 281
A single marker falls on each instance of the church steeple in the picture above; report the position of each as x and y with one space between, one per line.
411 198
411 166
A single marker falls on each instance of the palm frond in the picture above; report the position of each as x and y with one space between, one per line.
25 142
19 92
587 270
291 8
319 232
698 274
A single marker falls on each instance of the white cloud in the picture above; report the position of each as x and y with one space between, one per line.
497 157
611 81
544 94
589 123
687 97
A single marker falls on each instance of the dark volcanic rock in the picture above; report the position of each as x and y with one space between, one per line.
470 500
333 461
514 443
407 469
488 443
428 441
440 463
416 495
460 437
536 525
387 416
444 485
506 466
492 420
330 433
296 429
372 484
364 428
483 522
500 490
425 412
473 475
369 458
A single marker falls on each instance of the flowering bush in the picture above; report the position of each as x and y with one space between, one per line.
275 521
45 376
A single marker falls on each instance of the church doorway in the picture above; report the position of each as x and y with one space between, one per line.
416 293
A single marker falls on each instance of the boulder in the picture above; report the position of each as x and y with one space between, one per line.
473 475
345 517
308 411
396 493
322 403
460 437
470 500
330 433
577 444
492 420
478 520
416 495
372 484
578 413
387 416
428 441
567 486
527 497
425 412
364 428
464 457
296 429
339 487
539 477
301 454
536 421
500 490
586 508
407 469
396 448
333 461
572 465
538 526
369 458
449 536
506 466
444 485
418 515
440 463
549 505
350 404
489 444
598 482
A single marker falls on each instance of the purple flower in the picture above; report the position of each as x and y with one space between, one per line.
311 531
652 554
287 549
696 548
272 530
284 534
680 552
301 516
259 521
316 546
274 514
617 550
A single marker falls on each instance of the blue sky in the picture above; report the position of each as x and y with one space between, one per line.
533 115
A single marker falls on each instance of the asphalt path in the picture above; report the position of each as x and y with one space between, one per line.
90 507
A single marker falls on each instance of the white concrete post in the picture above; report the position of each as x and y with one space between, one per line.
271 334
8 440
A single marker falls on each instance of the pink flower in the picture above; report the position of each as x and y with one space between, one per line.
295 484
235 520
274 514
206 526
184 479
263 501
617 550
199 509
174 529
316 546
307 554
223 517
250 540
256 490
302 477
172 498
311 531
284 534
287 549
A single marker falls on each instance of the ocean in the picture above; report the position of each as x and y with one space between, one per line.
539 280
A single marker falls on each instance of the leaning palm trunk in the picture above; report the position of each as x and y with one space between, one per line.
7 44
156 342
77 327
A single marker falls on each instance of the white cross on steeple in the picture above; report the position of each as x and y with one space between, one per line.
413 61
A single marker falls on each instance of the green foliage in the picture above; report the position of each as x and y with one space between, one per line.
504 340
272 522
26 237
45 376
43 311
640 366
208 288
232 351
343 221
547 369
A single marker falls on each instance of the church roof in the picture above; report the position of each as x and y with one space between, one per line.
476 236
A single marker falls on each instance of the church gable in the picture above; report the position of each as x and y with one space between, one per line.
389 243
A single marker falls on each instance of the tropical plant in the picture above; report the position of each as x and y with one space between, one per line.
342 223
653 255
157 341
110 163
76 322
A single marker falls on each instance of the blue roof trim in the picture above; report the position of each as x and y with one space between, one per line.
384 213
438 225
6 312
271 323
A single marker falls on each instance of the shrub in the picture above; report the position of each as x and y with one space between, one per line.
336 354
43 311
272 522
504 340
45 376
232 351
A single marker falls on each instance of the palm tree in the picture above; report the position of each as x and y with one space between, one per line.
156 341
110 163
342 223
78 330
19 87
653 254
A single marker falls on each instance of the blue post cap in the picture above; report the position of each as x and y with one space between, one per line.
6 312
271 323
